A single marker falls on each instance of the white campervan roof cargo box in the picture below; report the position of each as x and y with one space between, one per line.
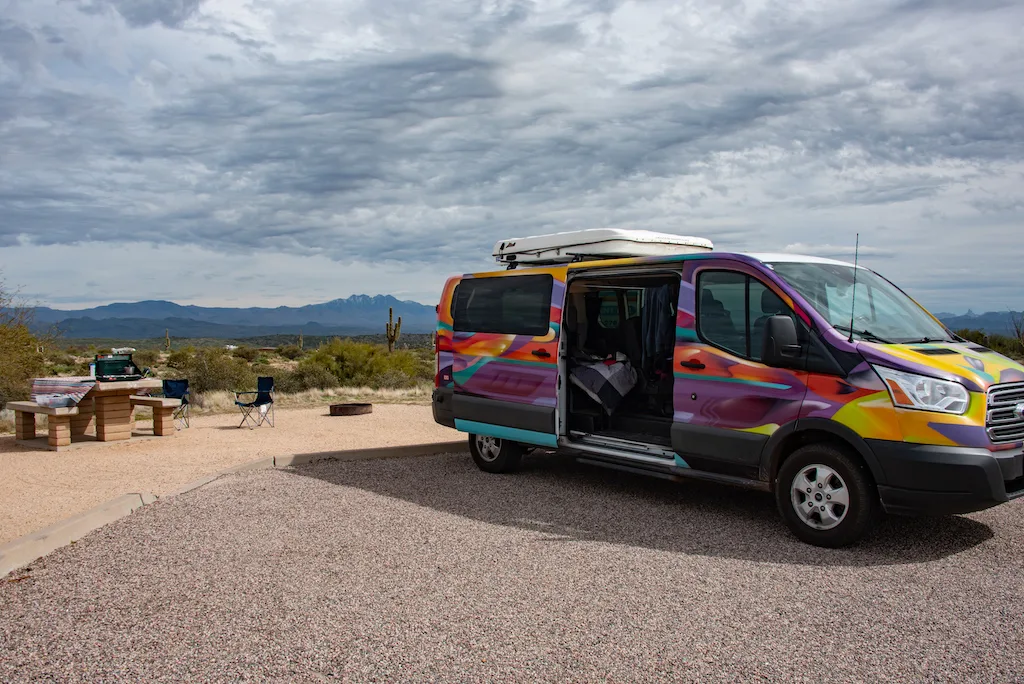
596 243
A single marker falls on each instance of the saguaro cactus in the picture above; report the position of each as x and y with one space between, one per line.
393 329
167 340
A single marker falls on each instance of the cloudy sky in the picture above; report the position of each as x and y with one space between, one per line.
286 152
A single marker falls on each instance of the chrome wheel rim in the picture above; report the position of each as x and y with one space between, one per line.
488 447
820 497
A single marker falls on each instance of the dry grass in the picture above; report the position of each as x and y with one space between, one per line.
7 423
224 402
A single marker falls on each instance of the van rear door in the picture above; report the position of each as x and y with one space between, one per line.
505 334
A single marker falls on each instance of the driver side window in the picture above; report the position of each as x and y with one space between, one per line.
733 310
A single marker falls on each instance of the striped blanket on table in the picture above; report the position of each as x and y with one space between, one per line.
59 392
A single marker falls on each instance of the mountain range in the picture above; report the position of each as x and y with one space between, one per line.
356 315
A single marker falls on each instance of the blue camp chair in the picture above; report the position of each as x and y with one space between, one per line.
178 389
262 405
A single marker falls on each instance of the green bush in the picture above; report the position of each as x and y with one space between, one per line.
179 358
21 361
305 378
290 351
212 369
368 365
1005 345
247 353
20 357
147 358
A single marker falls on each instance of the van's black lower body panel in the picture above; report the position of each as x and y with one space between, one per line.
928 479
718 450
505 413
442 402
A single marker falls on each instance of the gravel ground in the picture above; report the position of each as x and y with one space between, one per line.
39 488
427 569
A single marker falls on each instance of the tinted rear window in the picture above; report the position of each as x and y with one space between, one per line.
513 305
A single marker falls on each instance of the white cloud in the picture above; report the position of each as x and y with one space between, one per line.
316 137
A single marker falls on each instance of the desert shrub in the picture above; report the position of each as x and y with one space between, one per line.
211 369
20 359
368 365
305 378
147 358
261 369
247 353
290 351
1005 345
178 358
57 356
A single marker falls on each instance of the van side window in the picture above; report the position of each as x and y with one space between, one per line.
734 310
722 311
510 305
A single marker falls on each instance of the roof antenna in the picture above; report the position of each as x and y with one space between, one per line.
853 304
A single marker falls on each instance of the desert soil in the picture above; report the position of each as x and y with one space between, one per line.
39 488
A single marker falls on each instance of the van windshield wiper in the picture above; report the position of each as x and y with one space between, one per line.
866 334
926 340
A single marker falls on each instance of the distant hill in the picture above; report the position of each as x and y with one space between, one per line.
992 322
356 315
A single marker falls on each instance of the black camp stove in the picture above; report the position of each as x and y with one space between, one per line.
116 368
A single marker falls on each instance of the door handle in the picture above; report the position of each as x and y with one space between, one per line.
541 352
696 365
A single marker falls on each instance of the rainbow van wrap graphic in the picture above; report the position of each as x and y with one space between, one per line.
731 392
496 366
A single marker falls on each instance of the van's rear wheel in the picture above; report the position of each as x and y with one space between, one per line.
826 497
495 455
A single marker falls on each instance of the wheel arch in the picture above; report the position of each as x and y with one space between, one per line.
799 433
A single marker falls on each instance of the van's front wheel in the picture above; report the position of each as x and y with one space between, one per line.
826 497
495 455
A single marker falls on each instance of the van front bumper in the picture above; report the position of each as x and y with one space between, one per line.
943 480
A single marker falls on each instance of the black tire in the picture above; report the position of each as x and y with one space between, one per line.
826 521
495 455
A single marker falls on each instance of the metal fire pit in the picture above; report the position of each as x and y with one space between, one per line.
351 409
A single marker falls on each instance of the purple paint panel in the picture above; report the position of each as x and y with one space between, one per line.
515 382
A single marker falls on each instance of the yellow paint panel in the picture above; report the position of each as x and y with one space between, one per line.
871 417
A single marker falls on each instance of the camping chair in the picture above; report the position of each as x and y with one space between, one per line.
262 405
178 389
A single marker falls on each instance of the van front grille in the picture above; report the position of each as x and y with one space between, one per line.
1003 422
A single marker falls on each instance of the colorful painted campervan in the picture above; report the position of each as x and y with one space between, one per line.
815 379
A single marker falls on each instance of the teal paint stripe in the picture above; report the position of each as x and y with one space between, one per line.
687 334
502 432
680 463
444 326
736 381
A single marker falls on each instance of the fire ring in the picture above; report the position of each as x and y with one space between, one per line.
351 409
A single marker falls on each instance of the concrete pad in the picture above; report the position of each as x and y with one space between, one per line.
371 454
27 549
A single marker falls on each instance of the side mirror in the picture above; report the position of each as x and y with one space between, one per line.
780 346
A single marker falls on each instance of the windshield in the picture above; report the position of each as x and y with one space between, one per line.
883 312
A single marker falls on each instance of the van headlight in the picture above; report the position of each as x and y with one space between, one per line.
910 390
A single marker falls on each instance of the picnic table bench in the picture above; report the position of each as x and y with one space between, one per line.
58 419
163 412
